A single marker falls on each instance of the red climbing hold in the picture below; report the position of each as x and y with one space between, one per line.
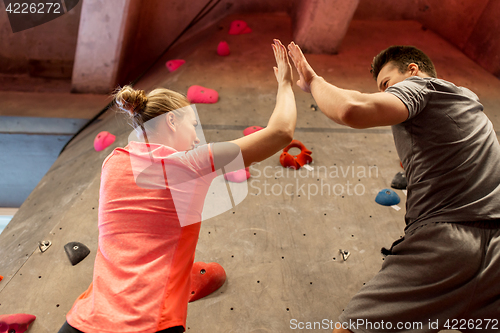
295 161
251 129
172 65
199 94
15 322
1 278
223 49
103 140
205 279
239 27
238 176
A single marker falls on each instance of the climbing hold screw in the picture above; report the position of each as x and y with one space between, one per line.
345 254
44 245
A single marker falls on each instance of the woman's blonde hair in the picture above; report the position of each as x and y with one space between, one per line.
141 107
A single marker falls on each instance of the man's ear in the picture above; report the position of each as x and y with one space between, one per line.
171 121
413 69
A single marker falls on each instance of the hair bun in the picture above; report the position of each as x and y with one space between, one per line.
130 100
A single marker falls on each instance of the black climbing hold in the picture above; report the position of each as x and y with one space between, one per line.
76 252
385 251
399 181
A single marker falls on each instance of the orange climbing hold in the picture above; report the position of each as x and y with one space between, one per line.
295 161
205 279
15 322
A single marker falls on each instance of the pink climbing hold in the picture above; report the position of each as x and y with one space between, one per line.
15 322
223 49
103 140
251 129
238 176
205 279
239 27
199 94
172 65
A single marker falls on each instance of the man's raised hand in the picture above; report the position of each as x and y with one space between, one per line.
306 73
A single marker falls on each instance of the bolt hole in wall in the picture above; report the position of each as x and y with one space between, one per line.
6 214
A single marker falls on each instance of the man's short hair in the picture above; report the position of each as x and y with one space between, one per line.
401 57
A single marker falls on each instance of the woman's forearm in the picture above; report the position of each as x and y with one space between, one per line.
284 116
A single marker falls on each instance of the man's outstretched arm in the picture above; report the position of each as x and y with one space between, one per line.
347 107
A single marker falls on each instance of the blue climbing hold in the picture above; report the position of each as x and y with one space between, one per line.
387 197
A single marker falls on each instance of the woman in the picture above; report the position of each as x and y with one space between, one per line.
149 222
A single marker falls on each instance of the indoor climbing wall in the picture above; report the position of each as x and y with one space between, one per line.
301 244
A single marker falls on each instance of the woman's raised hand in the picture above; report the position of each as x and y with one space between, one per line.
283 71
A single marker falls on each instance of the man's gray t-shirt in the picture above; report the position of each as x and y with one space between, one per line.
449 151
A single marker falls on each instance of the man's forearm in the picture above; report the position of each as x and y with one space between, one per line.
334 102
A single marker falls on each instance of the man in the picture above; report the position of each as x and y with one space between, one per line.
444 273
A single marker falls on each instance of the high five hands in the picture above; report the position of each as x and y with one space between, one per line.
284 73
